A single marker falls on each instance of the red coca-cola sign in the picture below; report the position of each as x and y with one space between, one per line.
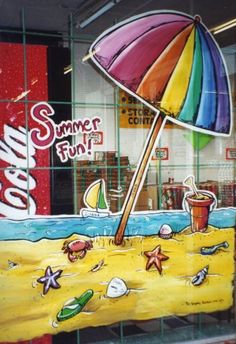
24 176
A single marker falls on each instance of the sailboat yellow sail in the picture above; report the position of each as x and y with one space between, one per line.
95 200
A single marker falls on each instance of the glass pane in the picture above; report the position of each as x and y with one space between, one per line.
74 142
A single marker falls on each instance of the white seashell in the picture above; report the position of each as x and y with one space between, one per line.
165 231
116 288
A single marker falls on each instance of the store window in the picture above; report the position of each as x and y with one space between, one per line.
99 238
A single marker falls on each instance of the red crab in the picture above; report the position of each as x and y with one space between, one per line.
76 249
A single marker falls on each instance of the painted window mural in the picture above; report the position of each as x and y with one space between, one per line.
136 245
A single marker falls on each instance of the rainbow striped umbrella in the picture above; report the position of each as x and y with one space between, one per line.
171 62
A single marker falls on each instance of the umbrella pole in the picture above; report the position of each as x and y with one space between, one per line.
139 176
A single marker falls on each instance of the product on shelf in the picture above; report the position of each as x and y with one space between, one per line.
209 185
172 195
228 194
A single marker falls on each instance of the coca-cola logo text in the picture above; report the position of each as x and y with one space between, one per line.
19 154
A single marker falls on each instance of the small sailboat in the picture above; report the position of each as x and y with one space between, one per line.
95 200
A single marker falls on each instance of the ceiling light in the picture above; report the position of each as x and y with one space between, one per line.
67 69
98 13
225 26
89 55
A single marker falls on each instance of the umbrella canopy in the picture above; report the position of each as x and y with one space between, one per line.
172 63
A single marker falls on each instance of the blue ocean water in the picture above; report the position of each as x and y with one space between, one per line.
52 227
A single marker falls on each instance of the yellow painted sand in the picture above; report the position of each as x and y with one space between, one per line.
26 313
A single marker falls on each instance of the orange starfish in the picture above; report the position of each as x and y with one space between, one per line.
155 257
